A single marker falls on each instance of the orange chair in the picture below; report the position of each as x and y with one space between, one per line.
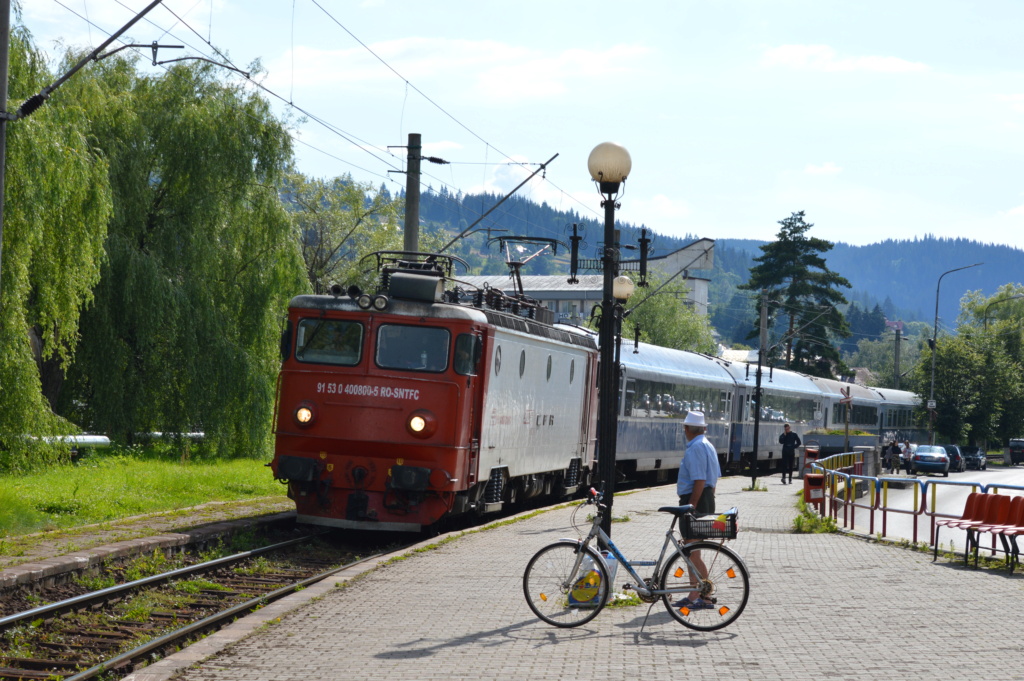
1013 528
977 516
973 499
996 513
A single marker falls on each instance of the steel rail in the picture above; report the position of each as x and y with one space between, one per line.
207 622
106 594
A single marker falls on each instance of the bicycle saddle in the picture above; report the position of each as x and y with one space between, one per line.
677 511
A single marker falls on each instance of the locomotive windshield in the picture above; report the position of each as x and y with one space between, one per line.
412 348
329 341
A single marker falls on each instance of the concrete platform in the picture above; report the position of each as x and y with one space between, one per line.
821 606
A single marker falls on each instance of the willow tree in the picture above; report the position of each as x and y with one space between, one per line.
201 259
56 209
339 222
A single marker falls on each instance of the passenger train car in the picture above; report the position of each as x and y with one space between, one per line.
429 399
659 385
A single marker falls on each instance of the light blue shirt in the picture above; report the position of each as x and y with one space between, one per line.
700 462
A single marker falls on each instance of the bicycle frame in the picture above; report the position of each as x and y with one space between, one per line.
639 584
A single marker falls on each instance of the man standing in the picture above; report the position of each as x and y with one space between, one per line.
789 441
699 470
698 474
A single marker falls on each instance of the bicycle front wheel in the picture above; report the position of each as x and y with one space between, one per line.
564 591
719 577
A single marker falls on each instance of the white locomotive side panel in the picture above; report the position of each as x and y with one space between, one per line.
535 405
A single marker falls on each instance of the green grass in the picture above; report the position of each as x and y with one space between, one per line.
120 483
809 522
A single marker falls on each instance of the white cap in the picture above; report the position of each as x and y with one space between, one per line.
695 418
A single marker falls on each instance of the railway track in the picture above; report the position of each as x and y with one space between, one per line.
115 630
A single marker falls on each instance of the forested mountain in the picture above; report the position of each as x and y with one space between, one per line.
901 275
897 276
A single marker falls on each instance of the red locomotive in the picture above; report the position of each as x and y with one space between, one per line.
426 400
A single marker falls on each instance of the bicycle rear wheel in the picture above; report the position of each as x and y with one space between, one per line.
560 596
723 591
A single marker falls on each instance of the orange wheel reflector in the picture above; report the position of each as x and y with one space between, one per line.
731 573
544 597
680 572
723 611
684 610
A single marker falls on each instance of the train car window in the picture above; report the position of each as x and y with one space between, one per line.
467 354
572 371
497 360
549 367
522 363
413 348
329 341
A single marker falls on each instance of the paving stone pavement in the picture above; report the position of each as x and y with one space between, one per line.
821 606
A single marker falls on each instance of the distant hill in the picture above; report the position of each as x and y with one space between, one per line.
905 273
898 275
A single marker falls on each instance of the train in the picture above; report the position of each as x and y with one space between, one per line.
430 399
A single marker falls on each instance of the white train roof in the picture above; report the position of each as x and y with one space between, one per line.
772 380
832 388
656 363
898 397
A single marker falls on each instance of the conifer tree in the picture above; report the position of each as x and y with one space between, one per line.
802 289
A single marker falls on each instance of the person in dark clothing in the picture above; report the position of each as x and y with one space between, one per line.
894 457
789 441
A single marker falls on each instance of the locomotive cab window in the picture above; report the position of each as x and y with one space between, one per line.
467 354
329 341
412 348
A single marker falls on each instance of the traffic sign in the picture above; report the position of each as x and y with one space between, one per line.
931 404
846 399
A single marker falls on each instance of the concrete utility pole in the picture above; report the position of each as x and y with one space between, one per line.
899 337
761 348
412 193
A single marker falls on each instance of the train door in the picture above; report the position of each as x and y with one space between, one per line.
469 364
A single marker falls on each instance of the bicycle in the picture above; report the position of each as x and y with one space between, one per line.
567 583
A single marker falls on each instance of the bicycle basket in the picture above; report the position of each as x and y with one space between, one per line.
721 526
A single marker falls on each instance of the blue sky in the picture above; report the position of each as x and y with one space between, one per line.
894 119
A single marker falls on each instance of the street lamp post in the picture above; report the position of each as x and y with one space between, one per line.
996 302
935 347
609 164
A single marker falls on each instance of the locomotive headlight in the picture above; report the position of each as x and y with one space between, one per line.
421 423
364 301
305 414
380 303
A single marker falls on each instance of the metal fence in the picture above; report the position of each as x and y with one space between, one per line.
862 503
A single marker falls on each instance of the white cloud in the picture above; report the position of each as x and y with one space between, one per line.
1017 212
827 168
824 58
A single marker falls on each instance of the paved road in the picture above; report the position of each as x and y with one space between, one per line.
822 606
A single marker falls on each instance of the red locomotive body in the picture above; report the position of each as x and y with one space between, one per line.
393 411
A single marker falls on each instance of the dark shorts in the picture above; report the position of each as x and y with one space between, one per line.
705 505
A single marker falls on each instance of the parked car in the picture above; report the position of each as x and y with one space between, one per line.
956 458
1016 449
930 459
974 458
